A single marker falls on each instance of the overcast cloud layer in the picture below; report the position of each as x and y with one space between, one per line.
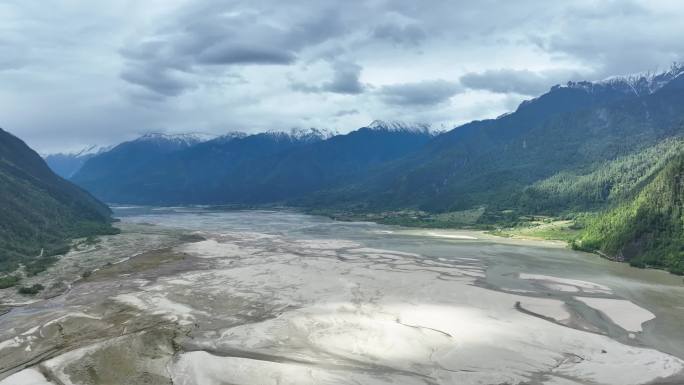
81 72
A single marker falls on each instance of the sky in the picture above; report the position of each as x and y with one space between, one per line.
79 72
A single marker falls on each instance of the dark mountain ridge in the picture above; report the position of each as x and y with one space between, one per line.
247 169
39 211
491 162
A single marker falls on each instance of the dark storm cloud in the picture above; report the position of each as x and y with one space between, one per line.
238 54
238 33
411 35
345 81
617 53
232 33
618 37
423 93
346 112
163 82
522 82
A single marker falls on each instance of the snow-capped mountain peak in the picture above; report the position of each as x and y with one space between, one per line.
304 134
188 139
228 136
647 82
81 152
66 164
397 126
639 84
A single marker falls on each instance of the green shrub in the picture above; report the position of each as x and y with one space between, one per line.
39 265
31 290
8 281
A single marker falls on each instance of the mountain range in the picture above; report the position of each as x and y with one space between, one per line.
494 162
581 150
246 169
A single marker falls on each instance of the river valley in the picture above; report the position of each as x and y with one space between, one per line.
196 296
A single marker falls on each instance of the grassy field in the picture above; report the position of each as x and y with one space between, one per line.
546 228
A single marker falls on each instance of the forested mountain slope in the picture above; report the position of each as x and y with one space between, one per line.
574 128
600 185
39 211
647 230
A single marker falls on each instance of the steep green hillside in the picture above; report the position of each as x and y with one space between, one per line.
601 184
647 230
39 211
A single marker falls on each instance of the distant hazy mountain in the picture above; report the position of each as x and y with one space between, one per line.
127 159
166 142
66 164
39 211
238 168
337 161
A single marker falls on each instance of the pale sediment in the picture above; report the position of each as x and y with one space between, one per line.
623 313
269 310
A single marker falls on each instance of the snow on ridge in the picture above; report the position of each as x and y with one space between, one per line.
84 151
187 138
311 133
643 83
302 133
638 84
227 137
398 126
675 70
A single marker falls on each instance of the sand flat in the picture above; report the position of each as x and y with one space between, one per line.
565 284
551 308
26 377
288 308
393 317
623 313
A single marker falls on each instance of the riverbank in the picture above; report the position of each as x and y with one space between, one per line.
525 228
